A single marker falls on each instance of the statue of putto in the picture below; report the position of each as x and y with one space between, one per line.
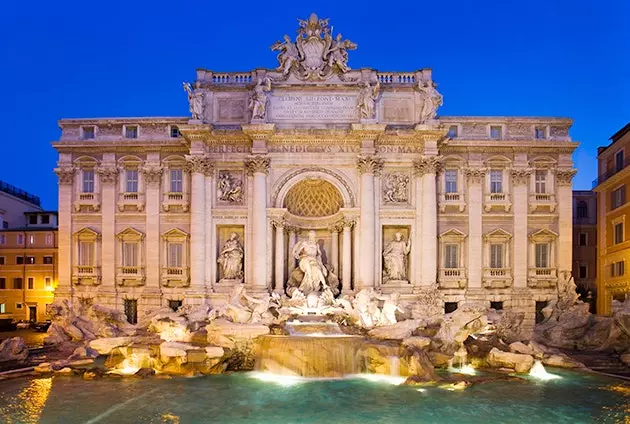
395 259
229 188
195 102
367 100
314 55
431 100
259 99
311 275
231 258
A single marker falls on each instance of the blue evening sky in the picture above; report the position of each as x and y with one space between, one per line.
69 59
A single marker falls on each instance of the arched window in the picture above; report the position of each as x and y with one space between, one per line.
582 209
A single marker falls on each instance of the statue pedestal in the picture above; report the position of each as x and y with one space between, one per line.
397 286
225 285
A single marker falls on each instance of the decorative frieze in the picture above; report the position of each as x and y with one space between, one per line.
475 175
65 175
369 165
199 164
564 176
152 174
520 176
427 165
257 164
107 174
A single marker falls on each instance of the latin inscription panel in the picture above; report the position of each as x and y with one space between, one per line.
313 108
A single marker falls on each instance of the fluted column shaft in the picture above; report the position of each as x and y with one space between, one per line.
258 167
292 241
210 262
198 166
279 258
520 180
346 284
368 166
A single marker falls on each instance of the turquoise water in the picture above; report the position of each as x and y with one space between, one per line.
241 398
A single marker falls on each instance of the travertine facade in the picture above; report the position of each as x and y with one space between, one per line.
147 205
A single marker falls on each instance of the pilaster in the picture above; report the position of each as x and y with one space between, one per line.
64 252
520 182
108 176
368 166
258 167
425 170
564 178
475 178
152 175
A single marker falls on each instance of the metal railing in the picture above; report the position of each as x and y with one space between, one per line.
606 175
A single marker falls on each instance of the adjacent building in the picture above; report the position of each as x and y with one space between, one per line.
148 206
585 240
613 246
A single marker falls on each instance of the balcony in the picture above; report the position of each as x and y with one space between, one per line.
500 201
608 174
452 201
87 202
452 278
497 278
542 278
86 275
131 201
175 277
130 276
542 201
175 201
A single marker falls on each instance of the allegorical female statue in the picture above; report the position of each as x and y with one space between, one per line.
431 100
231 258
258 100
367 100
395 258
195 101
309 258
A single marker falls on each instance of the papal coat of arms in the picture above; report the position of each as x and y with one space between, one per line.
315 54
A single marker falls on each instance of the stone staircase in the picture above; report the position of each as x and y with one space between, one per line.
606 363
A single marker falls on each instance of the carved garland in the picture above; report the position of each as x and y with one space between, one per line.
369 165
107 174
257 164
475 175
521 176
65 175
564 176
199 164
427 165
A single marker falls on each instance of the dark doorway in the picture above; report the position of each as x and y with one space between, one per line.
540 305
131 310
32 313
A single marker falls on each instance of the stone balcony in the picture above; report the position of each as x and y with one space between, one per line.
497 201
542 202
452 278
130 276
497 278
87 202
175 201
452 201
131 201
86 275
175 276
542 278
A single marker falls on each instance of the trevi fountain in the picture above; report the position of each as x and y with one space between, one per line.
316 244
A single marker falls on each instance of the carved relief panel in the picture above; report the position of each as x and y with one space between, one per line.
230 187
396 188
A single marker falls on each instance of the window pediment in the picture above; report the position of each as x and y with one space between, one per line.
543 162
86 162
175 234
129 162
130 234
87 234
453 235
498 235
543 235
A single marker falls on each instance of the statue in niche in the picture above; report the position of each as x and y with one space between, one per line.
367 100
289 55
396 188
431 100
231 258
195 101
229 188
258 101
395 259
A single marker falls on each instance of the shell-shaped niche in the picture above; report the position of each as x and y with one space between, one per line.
313 197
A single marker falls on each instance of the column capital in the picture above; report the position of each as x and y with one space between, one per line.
369 164
348 222
520 175
336 227
107 174
65 174
291 228
199 164
564 176
475 175
257 164
152 173
279 223
427 165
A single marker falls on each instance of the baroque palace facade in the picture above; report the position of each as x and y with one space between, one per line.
165 211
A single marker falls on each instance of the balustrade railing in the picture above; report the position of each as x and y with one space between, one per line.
232 78
396 78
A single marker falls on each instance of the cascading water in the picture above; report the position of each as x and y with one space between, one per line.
539 372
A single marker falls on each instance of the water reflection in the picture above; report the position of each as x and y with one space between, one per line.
27 405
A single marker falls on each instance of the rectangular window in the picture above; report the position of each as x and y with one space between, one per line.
2 260
130 254
131 178
175 255
18 284
583 271
618 197
583 239
497 306
32 220
495 132
496 181
3 239
617 269
88 133
30 283
86 253
3 283
540 133
49 239
87 176
174 131
131 310
18 306
542 255
450 181
3 308
177 178
452 131
45 219
619 233
30 260
451 256
496 256
131 131
48 260
541 182
19 260
619 161
20 239
47 283
31 239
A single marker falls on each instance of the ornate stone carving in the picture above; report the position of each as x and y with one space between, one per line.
315 55
564 176
475 175
107 174
195 101
369 165
257 163
348 222
431 100
231 258
395 259
396 188
65 174
200 164
366 102
259 99
521 176
152 174
427 165
336 227
230 187
279 223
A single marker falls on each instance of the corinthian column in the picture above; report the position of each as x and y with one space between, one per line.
564 178
475 178
279 256
152 175
346 262
198 166
334 246
368 166
258 167
520 180
426 168
64 255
